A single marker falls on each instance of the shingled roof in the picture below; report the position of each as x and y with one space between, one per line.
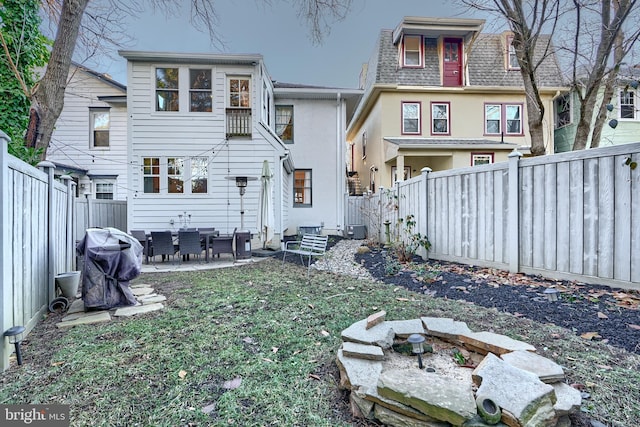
485 66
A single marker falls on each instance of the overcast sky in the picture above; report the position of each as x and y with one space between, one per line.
276 32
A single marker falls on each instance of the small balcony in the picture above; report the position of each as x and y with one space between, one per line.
239 122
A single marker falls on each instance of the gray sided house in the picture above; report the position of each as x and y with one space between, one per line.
196 121
90 139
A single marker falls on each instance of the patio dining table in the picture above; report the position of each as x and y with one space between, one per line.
205 236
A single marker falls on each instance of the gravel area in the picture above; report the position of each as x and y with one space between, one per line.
592 311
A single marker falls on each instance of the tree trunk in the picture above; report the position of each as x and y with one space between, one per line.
47 99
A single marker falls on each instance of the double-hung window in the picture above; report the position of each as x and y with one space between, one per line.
167 89
284 123
239 122
199 174
302 187
200 96
412 51
503 118
628 104
411 118
512 57
99 119
104 190
175 175
440 118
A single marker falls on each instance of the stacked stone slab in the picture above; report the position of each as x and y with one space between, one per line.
527 388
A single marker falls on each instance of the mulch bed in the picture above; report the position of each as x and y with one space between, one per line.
591 311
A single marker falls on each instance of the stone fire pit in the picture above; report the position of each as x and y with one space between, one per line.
502 382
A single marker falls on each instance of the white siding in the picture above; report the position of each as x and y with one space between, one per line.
70 143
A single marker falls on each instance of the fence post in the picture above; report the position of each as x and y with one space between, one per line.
48 167
6 289
513 221
423 226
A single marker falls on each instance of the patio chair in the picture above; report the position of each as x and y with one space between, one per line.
189 243
162 244
223 245
141 236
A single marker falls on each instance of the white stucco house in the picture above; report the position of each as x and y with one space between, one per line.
89 142
197 121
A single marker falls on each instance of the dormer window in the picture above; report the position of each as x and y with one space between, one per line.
512 58
412 51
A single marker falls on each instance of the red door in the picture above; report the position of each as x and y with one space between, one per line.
452 66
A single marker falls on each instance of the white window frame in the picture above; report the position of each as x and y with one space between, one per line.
176 90
151 170
419 52
105 183
240 78
182 168
482 159
624 95
94 112
436 115
512 56
199 172
503 121
417 118
201 90
278 129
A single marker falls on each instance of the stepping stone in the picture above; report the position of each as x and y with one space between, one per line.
141 291
392 418
404 328
488 342
380 335
547 370
151 299
86 319
375 319
362 351
524 399
139 285
137 309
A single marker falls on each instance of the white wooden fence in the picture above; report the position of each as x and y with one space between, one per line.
39 228
572 216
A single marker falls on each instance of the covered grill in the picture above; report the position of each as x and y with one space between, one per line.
111 258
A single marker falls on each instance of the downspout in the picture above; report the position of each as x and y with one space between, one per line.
339 164
282 201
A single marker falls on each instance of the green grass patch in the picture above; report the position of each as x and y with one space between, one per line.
264 325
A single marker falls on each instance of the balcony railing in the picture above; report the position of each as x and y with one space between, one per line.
239 122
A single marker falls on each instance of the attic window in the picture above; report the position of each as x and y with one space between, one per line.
512 58
412 51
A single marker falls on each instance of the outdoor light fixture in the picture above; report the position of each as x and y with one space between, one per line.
416 341
241 183
15 337
551 294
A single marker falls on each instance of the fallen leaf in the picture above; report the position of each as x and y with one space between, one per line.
605 367
266 359
233 384
590 384
297 352
311 306
209 408
516 314
632 326
315 377
402 299
274 349
57 363
590 335
182 374
601 315
324 333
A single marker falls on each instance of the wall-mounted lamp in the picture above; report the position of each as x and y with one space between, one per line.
15 337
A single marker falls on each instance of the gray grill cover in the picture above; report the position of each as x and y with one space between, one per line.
111 259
